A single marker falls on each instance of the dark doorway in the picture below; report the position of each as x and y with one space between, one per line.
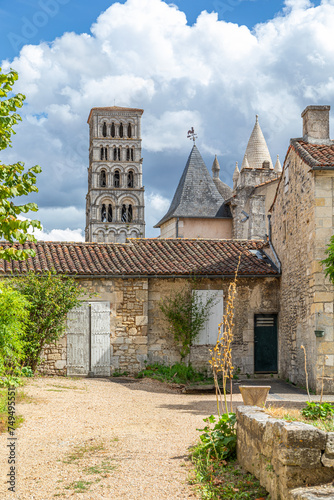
265 343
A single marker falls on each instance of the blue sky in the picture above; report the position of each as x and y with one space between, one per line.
72 55
33 21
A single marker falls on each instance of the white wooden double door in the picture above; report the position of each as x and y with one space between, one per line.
88 339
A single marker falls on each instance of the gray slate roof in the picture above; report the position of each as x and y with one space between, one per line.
196 195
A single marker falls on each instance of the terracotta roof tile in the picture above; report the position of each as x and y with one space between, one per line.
315 155
148 257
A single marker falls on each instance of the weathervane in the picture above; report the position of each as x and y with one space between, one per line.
191 134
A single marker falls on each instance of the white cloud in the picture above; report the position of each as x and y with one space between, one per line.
59 235
213 75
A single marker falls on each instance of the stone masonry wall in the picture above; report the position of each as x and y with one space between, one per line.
255 296
283 455
301 228
139 331
128 325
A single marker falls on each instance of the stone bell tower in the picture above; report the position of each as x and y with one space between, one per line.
115 198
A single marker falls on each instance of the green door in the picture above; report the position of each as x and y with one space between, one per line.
265 343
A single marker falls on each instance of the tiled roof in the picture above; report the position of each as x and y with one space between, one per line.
196 194
145 257
315 155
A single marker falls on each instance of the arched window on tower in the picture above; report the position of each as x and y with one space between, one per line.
127 153
130 179
130 213
103 178
126 213
119 154
103 213
131 154
129 130
103 153
115 153
112 130
121 133
116 179
104 129
109 213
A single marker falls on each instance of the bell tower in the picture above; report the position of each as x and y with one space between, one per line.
115 198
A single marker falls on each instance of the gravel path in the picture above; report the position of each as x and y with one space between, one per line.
96 438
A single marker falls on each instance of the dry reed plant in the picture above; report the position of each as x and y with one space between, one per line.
306 372
221 354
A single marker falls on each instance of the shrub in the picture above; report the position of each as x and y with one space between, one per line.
315 410
219 441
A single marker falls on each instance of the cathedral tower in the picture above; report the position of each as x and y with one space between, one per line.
115 198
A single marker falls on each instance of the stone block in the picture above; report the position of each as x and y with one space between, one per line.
298 457
60 364
141 320
133 331
139 340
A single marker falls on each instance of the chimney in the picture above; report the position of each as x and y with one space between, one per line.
316 124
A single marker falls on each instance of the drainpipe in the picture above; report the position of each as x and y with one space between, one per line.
278 263
177 227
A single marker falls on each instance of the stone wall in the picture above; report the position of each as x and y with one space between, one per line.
283 455
301 227
139 331
255 296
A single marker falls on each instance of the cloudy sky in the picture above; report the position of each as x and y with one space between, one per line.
208 64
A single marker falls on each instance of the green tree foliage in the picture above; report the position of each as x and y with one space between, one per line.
14 181
13 317
186 313
328 263
51 297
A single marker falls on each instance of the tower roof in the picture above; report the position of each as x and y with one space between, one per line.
257 150
119 109
196 195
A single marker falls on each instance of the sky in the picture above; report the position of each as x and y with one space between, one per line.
213 65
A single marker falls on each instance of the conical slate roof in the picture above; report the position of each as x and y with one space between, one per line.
257 150
196 195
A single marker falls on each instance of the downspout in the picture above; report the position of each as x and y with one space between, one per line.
278 263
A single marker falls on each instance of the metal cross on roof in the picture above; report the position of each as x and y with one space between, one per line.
191 134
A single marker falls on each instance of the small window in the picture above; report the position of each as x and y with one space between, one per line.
109 213
127 154
116 179
115 154
124 214
112 130
129 130
103 178
119 154
103 154
130 213
121 133
104 129
103 213
130 179
132 154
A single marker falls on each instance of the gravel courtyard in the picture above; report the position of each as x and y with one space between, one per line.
99 438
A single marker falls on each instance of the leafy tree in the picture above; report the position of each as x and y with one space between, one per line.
186 313
13 180
13 316
51 297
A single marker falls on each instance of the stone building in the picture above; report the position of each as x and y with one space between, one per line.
198 209
205 207
123 323
115 198
302 224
